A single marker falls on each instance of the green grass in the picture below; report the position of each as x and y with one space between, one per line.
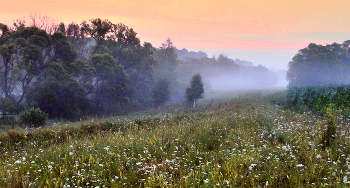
247 141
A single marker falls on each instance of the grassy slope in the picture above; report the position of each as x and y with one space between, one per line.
246 142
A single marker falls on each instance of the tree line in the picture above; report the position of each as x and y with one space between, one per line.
320 64
92 68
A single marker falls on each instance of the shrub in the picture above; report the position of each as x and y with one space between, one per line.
33 117
8 120
329 135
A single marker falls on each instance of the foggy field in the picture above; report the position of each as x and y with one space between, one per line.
240 140
157 94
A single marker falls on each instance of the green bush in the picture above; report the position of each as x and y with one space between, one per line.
8 120
33 117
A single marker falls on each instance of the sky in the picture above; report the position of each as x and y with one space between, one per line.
267 32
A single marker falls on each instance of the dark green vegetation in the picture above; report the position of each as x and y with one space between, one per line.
247 141
97 68
195 91
319 65
319 98
161 92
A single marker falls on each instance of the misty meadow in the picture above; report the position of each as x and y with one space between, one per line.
88 105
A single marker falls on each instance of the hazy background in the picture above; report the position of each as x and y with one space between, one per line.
264 32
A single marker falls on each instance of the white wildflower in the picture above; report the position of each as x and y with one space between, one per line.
18 161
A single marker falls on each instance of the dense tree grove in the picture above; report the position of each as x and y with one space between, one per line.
317 65
92 68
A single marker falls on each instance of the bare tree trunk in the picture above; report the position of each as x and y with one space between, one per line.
194 104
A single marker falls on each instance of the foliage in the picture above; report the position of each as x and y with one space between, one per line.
317 65
59 94
195 91
93 68
64 50
6 105
223 147
161 92
319 97
166 67
110 84
329 135
33 117
8 120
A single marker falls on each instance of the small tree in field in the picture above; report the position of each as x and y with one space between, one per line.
196 90
161 92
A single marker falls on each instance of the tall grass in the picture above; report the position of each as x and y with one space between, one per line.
246 142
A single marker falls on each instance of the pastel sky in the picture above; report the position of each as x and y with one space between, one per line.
268 32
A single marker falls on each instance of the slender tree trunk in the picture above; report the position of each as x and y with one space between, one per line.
5 79
194 104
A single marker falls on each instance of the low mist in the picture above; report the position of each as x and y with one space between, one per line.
223 74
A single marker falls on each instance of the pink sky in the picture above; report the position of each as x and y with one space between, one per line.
265 32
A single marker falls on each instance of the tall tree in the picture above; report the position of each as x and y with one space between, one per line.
63 48
166 66
59 93
314 65
161 92
123 39
110 83
99 30
196 90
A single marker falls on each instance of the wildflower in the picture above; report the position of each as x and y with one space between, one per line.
252 166
70 153
206 181
50 167
106 148
227 182
18 161
300 165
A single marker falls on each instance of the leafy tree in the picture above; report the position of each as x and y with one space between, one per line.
76 35
59 94
141 76
110 83
121 41
4 30
195 91
6 105
315 65
166 66
161 92
8 52
64 50
84 73
99 30
61 27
